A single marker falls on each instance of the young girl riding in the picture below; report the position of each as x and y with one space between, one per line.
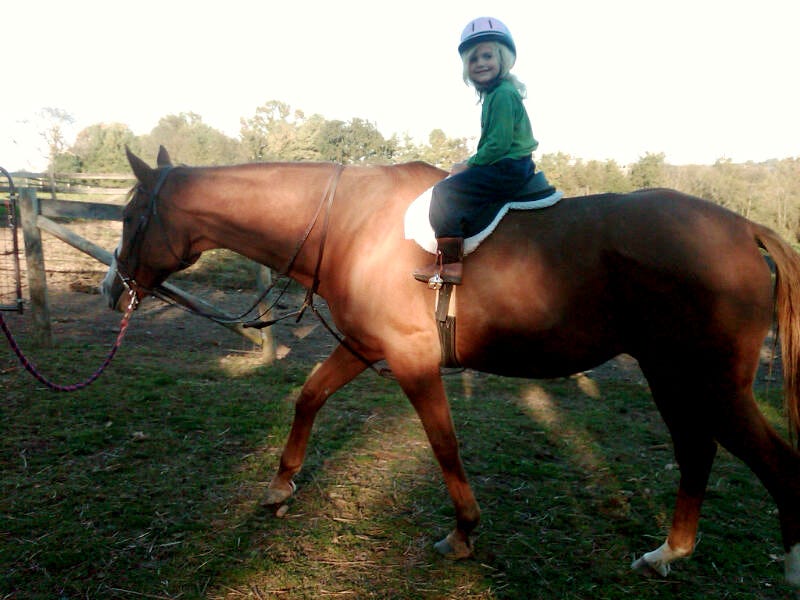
467 201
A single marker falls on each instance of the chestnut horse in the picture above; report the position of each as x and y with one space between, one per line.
677 282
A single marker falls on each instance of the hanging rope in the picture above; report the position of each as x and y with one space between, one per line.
31 368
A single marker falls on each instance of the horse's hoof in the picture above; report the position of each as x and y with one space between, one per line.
648 569
276 496
453 547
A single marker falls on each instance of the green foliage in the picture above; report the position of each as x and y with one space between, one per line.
101 148
354 142
272 134
648 172
577 178
191 141
440 151
768 192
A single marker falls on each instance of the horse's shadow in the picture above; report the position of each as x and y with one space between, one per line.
575 478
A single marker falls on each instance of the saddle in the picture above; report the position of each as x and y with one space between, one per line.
537 193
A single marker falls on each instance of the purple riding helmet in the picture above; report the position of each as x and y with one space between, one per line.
486 29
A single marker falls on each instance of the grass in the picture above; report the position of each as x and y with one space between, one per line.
147 485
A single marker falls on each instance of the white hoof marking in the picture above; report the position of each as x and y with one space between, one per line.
658 560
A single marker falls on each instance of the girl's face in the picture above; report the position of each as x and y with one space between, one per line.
484 64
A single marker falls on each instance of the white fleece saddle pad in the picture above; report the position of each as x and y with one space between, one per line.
418 224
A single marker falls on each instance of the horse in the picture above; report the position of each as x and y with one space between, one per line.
677 282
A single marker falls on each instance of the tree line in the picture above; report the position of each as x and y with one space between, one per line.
766 192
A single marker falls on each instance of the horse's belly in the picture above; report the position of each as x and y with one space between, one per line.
536 356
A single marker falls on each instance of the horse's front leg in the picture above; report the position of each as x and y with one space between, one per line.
337 370
428 397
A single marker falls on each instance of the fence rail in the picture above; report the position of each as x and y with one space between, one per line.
39 214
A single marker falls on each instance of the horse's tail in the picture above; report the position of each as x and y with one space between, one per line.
787 307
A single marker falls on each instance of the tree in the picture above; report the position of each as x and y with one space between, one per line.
649 172
52 131
271 134
191 141
440 151
354 142
100 148
443 151
560 172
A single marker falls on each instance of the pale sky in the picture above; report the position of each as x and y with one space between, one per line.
695 79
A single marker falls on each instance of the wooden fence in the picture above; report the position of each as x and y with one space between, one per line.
39 213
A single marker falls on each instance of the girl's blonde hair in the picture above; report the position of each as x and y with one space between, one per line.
506 59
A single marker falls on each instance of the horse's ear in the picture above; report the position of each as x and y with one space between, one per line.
141 169
163 159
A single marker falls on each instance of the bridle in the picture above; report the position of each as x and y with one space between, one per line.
125 270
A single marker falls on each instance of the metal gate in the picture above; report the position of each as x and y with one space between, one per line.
10 283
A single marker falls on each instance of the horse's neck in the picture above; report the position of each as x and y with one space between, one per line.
263 212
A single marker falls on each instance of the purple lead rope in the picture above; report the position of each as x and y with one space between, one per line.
31 368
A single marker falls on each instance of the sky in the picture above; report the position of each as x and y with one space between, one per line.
697 80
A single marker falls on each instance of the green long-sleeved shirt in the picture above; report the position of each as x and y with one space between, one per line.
505 127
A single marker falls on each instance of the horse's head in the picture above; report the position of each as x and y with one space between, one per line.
150 248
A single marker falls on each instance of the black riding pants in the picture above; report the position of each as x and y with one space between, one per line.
465 204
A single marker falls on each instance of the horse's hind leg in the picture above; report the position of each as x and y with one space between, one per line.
727 413
744 431
682 406
694 452
341 367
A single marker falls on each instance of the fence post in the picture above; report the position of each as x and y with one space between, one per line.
41 333
263 281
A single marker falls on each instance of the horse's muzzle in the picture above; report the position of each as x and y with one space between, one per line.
111 288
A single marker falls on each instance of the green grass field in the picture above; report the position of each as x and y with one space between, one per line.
147 485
